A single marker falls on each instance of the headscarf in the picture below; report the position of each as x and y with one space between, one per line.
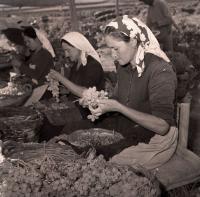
148 43
42 36
80 42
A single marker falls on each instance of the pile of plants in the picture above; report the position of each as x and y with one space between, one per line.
67 174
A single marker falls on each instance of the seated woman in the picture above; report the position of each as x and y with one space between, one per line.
38 63
86 71
144 95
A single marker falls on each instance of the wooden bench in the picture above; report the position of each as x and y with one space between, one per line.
184 167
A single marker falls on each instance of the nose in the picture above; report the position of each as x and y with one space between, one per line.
66 54
114 54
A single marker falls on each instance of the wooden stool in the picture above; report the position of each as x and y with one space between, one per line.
184 166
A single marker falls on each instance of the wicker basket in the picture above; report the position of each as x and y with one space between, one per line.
14 100
20 124
95 137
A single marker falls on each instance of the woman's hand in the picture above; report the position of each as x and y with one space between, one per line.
104 106
55 75
72 87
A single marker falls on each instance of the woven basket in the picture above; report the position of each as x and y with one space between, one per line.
20 124
95 137
14 100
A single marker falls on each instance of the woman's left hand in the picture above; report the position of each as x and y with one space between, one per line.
55 75
104 106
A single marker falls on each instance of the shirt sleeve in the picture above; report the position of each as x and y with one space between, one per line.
162 87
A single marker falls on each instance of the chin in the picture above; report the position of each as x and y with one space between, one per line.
121 63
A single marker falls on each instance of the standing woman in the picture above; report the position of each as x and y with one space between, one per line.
86 71
144 95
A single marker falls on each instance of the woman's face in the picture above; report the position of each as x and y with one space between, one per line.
71 52
30 43
123 52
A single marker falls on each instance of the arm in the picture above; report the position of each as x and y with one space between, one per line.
147 121
75 89
161 89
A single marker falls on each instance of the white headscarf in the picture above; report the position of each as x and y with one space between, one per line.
80 42
148 43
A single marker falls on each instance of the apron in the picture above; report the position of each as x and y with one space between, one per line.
152 155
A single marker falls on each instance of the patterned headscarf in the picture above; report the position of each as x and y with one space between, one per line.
80 42
148 43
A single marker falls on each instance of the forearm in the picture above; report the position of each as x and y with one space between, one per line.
147 121
72 87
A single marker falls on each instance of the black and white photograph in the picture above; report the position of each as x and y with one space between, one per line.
99 98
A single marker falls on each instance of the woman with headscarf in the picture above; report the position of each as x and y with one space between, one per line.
37 64
86 72
144 96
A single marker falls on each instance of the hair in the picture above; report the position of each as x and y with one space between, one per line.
116 34
30 32
64 41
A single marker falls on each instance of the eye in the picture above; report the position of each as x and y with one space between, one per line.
114 50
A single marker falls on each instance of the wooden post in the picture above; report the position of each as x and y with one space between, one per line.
73 16
117 8
183 123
